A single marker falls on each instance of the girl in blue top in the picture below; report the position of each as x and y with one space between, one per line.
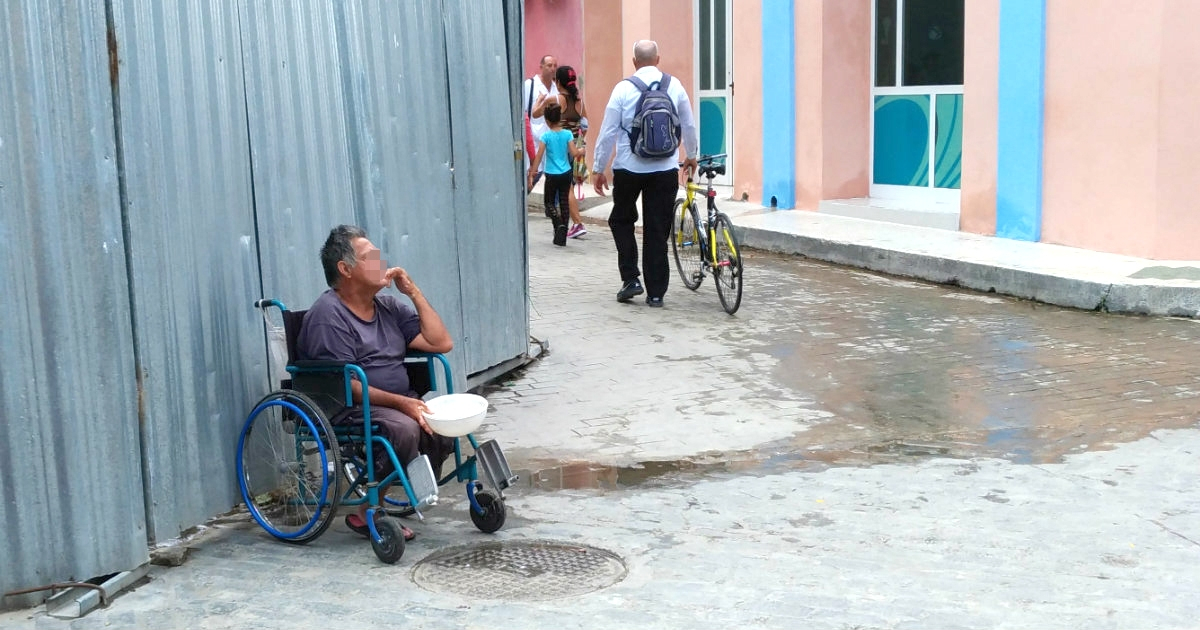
558 147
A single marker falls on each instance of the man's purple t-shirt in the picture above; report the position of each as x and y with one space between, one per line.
331 332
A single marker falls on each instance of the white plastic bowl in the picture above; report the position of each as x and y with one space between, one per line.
455 415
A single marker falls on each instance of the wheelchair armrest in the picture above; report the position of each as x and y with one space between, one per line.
431 359
317 366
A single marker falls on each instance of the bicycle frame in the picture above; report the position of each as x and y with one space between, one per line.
709 242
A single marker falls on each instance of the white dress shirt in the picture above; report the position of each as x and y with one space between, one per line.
537 125
618 117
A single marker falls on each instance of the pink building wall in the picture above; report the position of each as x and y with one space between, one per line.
602 62
833 100
1122 139
671 25
1121 131
747 164
846 57
553 27
980 116
610 30
1178 134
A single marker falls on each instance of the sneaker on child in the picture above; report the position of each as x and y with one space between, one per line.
576 231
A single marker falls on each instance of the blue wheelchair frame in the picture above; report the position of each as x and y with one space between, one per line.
306 432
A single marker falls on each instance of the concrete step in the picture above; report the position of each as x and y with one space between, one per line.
921 214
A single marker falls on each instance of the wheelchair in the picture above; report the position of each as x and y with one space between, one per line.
299 458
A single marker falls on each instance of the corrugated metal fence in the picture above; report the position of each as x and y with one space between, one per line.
165 162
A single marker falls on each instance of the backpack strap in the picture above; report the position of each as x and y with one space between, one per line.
529 103
641 85
661 83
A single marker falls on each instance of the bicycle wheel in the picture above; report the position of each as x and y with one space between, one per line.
687 245
728 270
287 467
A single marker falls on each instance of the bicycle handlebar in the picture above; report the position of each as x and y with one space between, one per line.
708 159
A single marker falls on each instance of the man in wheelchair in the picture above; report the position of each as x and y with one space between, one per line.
352 322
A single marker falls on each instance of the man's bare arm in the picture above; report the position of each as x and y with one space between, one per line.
433 336
412 407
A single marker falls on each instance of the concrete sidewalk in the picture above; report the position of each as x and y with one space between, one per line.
1054 274
848 451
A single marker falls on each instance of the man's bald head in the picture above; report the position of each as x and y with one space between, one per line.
645 53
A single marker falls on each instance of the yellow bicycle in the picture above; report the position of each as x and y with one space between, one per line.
707 244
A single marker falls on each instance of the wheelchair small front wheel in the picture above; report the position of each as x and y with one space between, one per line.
390 545
493 515
286 470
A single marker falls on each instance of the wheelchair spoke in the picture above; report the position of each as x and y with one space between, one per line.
287 475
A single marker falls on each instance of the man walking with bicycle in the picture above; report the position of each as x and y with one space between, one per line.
647 119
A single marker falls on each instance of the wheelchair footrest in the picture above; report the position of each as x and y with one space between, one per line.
495 466
423 483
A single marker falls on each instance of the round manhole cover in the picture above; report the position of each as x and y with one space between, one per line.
519 569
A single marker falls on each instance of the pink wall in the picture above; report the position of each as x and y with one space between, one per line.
980 94
1121 131
846 90
747 100
808 103
671 25
553 27
602 60
609 32
1099 186
833 96
1178 134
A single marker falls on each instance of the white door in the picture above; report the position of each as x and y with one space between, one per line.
917 100
714 80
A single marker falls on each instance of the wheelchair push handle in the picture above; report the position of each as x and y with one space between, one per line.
266 303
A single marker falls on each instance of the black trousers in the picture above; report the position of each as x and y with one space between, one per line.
657 191
557 197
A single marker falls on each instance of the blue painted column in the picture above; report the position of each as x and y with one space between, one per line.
1021 107
779 102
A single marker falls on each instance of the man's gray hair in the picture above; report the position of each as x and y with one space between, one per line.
339 248
645 51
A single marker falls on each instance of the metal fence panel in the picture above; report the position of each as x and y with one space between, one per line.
397 91
489 210
136 229
194 260
303 182
70 479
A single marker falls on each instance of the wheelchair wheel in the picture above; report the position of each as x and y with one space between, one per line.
493 515
391 544
286 469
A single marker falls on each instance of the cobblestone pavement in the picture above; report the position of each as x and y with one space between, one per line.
828 364
848 451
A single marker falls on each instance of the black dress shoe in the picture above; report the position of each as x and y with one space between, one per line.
654 302
629 290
